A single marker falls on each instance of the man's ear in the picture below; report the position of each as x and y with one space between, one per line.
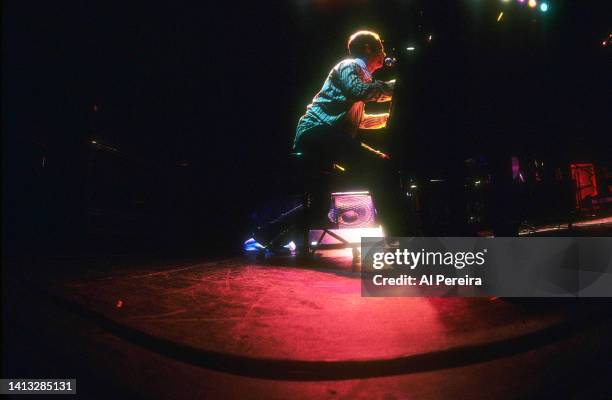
367 50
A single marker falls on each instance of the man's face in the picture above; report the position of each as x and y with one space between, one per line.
380 57
377 57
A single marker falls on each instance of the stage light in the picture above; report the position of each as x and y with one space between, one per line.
521 1
291 246
499 17
533 3
544 7
411 48
252 245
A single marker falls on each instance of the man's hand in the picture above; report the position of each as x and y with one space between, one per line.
387 92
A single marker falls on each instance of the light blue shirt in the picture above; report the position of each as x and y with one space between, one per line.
341 101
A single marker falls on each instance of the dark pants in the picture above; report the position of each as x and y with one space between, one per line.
363 168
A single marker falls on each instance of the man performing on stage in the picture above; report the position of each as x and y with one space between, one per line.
327 131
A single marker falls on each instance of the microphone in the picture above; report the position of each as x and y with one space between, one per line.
390 61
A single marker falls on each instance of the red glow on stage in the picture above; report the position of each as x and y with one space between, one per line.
516 168
599 221
119 304
586 182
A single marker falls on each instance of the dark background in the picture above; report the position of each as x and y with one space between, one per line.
192 108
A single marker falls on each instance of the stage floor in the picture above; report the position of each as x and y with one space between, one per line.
314 312
238 328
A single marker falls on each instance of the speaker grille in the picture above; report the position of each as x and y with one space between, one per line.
352 210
